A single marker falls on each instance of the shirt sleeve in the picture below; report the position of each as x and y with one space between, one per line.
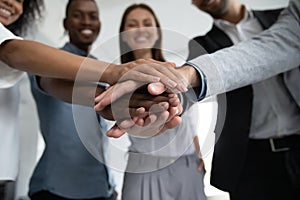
8 76
272 52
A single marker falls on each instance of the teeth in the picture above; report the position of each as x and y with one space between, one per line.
87 32
5 12
141 39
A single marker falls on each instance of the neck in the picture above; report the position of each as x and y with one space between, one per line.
84 48
143 54
235 13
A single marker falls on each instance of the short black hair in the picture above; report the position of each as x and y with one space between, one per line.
69 5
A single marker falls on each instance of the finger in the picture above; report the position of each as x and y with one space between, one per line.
138 113
114 93
153 123
172 123
167 74
156 88
140 122
146 101
173 74
174 100
126 123
149 119
103 100
158 108
172 64
115 132
200 165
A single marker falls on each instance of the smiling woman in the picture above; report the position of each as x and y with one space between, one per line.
17 16
157 166
140 34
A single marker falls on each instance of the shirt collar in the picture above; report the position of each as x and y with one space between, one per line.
73 49
248 15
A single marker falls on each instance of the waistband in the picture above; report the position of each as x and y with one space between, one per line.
141 163
281 144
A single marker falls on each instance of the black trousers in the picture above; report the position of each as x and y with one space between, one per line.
7 190
269 175
45 195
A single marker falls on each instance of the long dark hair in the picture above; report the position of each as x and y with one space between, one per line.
32 10
126 51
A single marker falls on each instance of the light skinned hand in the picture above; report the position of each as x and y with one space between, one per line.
169 77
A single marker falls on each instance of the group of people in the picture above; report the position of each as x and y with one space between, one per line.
257 149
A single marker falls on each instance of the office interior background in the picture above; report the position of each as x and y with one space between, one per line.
179 16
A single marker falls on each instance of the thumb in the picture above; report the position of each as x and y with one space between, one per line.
156 88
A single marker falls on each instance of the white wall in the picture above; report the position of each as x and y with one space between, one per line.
179 16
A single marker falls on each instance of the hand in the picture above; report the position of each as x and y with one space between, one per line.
150 71
156 123
139 73
190 75
134 106
153 125
201 166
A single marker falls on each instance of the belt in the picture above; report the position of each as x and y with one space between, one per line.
278 144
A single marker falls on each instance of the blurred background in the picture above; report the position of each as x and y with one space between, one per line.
178 16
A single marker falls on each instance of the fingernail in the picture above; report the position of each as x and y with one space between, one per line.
176 111
182 87
156 79
171 83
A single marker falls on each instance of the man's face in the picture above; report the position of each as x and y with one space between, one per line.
216 8
82 22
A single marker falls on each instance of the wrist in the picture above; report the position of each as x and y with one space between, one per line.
112 74
199 79
191 75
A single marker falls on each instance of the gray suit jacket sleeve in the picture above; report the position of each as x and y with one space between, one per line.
273 51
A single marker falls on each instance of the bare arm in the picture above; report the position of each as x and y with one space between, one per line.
47 61
198 151
63 89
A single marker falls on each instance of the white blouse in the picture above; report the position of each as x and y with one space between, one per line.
9 106
8 76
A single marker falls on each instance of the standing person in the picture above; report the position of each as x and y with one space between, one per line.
243 162
18 54
66 169
273 51
158 169
18 18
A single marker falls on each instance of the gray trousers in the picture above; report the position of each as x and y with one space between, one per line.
177 181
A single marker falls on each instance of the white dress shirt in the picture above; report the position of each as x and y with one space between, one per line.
274 112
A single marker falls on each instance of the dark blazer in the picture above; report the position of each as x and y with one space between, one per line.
234 116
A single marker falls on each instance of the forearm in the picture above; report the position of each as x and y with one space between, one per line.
46 61
63 90
191 75
272 52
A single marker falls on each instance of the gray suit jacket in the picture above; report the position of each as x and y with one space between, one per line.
274 51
